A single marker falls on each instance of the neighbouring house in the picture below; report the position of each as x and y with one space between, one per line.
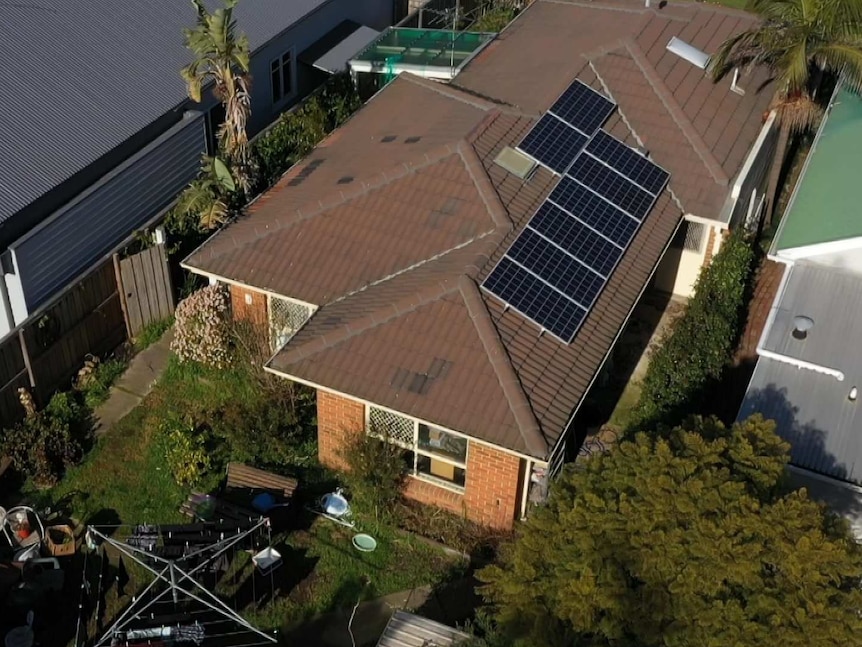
809 367
99 134
380 262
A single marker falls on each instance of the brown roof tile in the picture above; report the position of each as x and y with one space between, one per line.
391 240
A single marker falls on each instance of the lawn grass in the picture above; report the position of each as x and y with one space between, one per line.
124 480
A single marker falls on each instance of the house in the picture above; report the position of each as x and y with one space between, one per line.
99 134
809 367
370 259
409 630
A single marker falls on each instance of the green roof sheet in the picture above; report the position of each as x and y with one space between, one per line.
401 47
825 206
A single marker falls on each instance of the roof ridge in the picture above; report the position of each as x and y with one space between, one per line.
490 197
676 112
446 89
531 433
376 318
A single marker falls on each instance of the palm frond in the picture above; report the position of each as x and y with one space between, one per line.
799 113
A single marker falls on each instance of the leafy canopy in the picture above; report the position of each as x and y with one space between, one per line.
798 41
681 539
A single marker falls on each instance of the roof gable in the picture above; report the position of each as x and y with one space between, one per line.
434 355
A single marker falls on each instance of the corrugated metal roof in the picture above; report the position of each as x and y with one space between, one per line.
332 52
408 630
82 76
812 409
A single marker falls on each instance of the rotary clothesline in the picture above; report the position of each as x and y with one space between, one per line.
177 576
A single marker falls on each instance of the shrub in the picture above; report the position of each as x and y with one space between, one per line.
296 133
375 475
46 442
201 331
94 381
699 346
184 448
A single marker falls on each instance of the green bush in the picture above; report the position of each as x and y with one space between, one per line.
297 132
185 451
95 384
46 442
375 475
699 346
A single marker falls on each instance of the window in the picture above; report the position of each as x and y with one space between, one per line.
430 453
281 75
214 119
690 236
285 320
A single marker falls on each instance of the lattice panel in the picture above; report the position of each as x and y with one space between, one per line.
694 234
394 427
285 319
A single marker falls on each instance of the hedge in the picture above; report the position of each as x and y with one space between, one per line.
694 353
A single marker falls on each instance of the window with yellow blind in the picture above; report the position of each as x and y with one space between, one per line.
430 453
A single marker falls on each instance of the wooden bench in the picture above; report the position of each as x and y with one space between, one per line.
244 477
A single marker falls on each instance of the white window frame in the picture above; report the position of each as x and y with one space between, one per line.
417 450
275 341
286 94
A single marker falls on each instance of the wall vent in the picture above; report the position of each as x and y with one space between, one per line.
688 52
515 162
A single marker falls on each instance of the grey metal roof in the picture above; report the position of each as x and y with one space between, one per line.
844 498
409 630
332 52
812 409
82 76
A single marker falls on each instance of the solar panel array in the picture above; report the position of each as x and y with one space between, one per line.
560 135
558 265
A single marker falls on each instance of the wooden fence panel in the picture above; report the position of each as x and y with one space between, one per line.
147 290
86 319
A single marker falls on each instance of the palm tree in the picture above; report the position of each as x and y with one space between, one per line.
223 57
801 42
206 198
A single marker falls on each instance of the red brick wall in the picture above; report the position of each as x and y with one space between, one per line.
492 494
493 491
254 311
338 419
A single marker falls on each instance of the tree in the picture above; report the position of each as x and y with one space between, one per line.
223 57
206 198
683 538
800 42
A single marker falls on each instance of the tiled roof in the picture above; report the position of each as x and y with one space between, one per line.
392 239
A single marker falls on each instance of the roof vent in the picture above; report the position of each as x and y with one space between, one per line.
852 395
515 162
389 138
689 52
801 326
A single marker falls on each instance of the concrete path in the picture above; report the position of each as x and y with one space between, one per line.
144 371
451 606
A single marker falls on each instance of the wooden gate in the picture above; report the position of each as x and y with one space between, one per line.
145 284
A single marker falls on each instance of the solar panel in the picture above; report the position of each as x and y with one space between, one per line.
576 199
592 249
612 186
519 289
556 268
583 108
628 162
553 143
